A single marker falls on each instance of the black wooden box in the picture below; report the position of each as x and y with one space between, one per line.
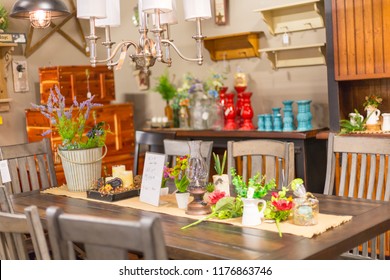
94 194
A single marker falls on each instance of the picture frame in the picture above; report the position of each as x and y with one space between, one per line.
221 11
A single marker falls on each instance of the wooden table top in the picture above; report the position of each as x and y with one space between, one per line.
211 240
247 134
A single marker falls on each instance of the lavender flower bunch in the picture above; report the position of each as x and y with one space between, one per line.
71 123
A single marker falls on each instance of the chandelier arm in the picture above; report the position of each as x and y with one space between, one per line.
198 59
126 44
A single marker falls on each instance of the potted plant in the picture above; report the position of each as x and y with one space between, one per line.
81 148
178 173
371 104
167 91
3 19
355 123
221 180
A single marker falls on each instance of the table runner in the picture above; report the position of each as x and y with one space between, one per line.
168 206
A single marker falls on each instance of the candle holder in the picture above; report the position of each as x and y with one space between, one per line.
197 173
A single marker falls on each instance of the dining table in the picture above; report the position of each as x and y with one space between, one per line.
224 241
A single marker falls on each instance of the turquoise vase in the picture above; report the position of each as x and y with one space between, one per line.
304 115
288 118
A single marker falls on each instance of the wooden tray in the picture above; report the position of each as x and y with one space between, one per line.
94 194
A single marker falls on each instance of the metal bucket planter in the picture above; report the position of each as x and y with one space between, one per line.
82 167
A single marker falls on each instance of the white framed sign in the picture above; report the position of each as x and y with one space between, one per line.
152 178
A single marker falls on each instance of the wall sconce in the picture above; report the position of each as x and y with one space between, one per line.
39 12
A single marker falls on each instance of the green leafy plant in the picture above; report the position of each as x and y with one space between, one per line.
226 208
356 124
71 123
3 18
372 101
256 182
165 87
218 166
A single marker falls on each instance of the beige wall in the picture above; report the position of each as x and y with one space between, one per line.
269 87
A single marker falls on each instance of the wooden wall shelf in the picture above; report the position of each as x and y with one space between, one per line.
306 55
297 16
233 46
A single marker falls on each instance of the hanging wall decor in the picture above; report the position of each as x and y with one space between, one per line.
20 76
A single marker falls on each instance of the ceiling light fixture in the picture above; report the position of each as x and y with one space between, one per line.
156 14
39 12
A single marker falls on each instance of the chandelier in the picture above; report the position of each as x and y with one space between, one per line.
157 15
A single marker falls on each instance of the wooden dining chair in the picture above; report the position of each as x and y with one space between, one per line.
13 230
272 158
151 142
103 238
30 165
5 201
175 148
359 167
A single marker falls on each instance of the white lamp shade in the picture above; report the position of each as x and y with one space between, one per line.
171 17
168 18
164 6
194 9
91 8
113 18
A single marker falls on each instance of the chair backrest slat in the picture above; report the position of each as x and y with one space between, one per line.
364 172
31 166
362 177
104 238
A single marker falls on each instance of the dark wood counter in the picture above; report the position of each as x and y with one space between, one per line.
310 152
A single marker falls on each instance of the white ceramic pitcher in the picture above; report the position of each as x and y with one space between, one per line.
386 122
251 215
373 116
353 117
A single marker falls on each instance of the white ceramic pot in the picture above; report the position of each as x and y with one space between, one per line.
164 191
386 122
182 199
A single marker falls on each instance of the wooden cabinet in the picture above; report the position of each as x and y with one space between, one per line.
361 35
73 82
120 141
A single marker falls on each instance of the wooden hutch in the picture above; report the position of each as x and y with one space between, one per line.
73 82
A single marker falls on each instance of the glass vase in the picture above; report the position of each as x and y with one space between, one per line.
196 172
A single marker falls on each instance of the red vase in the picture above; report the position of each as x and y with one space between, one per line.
222 93
246 112
239 103
230 112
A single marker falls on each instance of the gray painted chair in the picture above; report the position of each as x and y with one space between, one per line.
31 166
13 230
272 158
151 141
363 170
102 238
